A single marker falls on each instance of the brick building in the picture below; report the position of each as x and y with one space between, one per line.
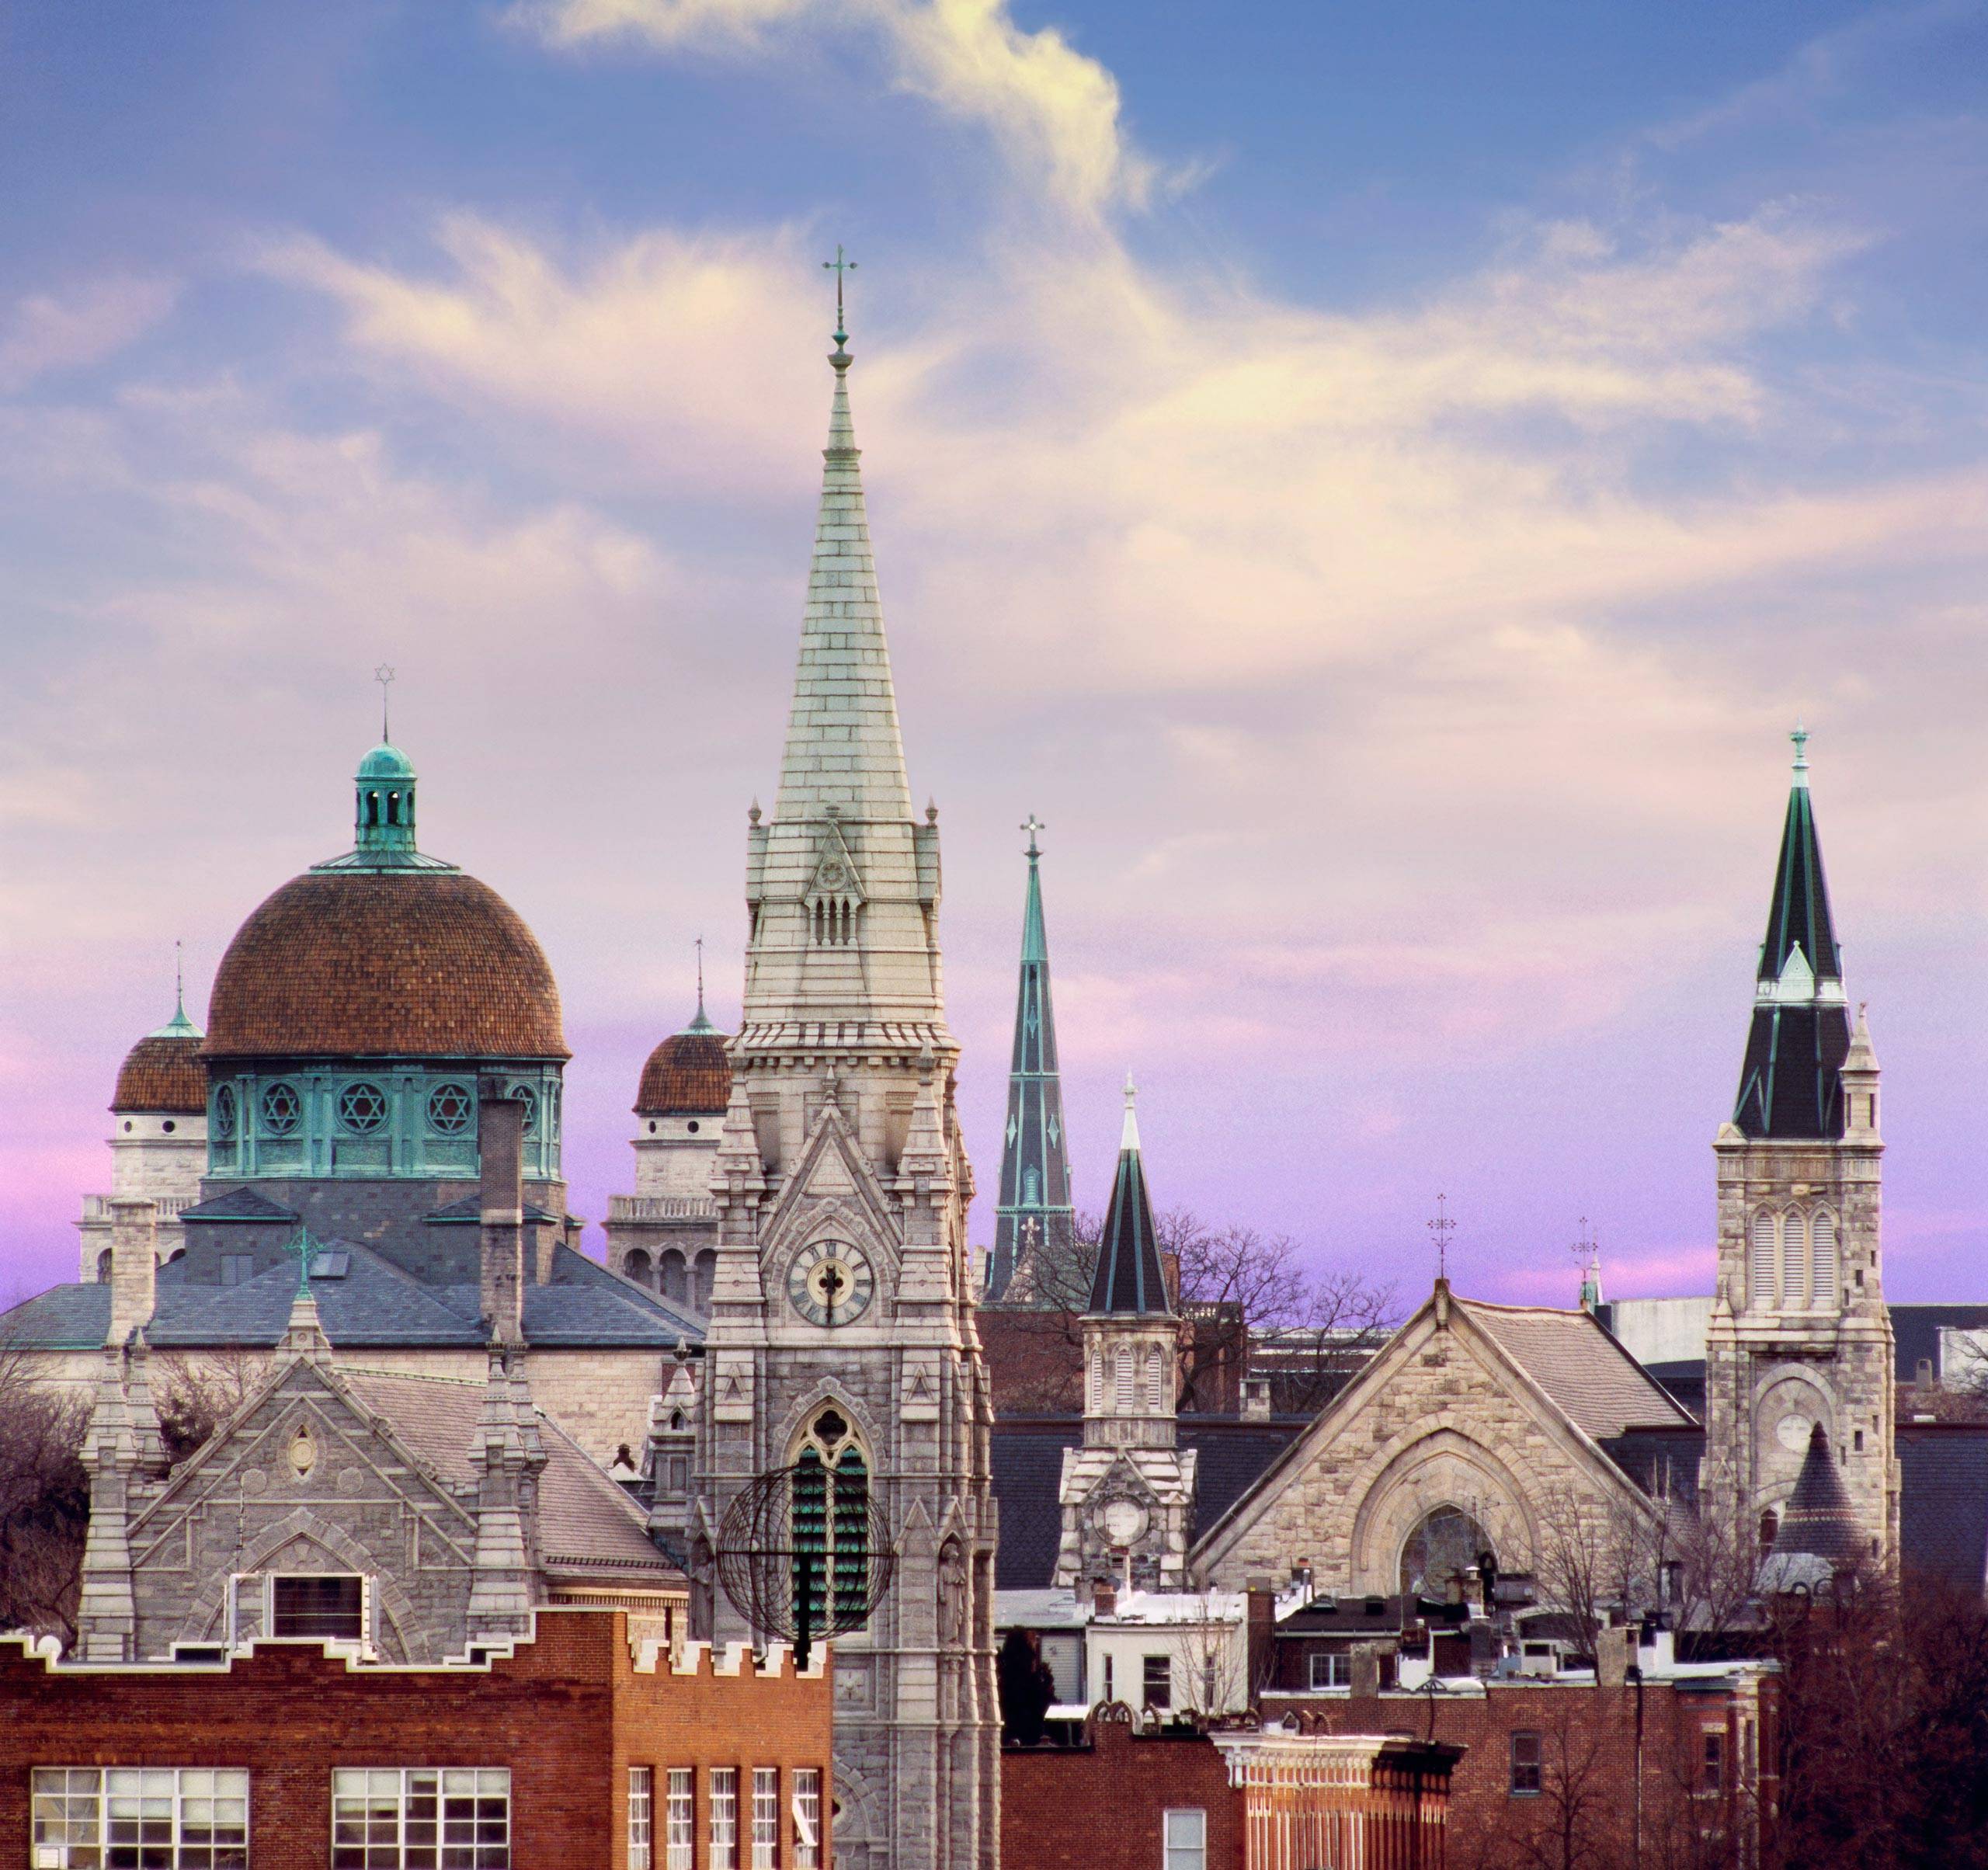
567 1748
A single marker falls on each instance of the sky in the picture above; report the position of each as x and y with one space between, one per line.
1379 482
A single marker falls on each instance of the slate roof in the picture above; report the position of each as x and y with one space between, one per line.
396 964
1943 1501
1818 1521
1601 1387
375 1303
587 1524
1027 1455
1128 1277
163 1073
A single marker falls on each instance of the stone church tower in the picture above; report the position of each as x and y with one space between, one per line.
1800 1335
1127 1493
842 1326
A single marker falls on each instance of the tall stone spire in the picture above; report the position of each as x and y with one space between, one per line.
842 885
1036 1223
1799 1034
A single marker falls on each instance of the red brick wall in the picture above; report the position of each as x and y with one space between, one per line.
1100 1807
567 1714
1589 1777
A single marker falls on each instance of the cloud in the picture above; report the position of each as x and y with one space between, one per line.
1054 113
45 333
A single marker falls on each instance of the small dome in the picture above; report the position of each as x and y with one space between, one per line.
163 1073
393 963
386 761
688 1075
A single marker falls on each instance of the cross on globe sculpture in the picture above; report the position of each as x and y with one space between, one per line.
804 1551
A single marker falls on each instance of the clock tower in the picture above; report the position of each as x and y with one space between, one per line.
842 1326
1127 1493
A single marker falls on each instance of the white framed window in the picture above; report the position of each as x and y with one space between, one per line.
1187 1835
1822 1261
680 1819
1794 1262
807 1805
765 1818
642 1815
1156 1681
418 1818
1333 1669
172 1817
724 1818
331 1606
1761 1242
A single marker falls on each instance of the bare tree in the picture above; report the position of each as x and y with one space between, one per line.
1598 1563
195 1395
44 1498
1211 1653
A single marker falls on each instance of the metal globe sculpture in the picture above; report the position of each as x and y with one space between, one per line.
805 1552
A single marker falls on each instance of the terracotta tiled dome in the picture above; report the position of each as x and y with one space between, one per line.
397 963
687 1075
163 1072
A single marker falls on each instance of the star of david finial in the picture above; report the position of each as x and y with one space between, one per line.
1032 824
383 675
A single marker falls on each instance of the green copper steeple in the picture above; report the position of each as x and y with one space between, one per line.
1035 1220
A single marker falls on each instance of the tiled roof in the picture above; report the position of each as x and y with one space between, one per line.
586 1522
1599 1386
1943 1501
163 1074
687 1075
424 963
1818 1521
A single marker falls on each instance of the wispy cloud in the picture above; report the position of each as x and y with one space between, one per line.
45 333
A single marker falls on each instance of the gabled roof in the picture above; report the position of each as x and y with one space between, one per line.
1602 1389
238 1205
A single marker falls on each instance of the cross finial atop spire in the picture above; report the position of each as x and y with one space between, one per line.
383 675
1032 824
1440 1228
838 266
1800 737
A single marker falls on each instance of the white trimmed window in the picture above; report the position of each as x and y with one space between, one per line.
175 1818
642 1815
765 1818
1187 1836
416 1818
331 1606
1822 1259
1332 1668
681 1820
1794 1262
1761 1291
724 1818
808 1818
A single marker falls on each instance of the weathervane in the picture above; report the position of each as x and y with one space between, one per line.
838 266
1032 824
383 675
1441 1228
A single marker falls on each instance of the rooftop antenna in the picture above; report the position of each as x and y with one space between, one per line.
1032 824
383 675
1440 1228
838 266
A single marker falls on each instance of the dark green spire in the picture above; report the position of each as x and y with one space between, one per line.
1790 1084
1035 1220
1129 1277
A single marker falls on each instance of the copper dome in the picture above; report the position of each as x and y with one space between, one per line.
415 963
687 1075
163 1072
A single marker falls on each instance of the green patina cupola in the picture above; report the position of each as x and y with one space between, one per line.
383 823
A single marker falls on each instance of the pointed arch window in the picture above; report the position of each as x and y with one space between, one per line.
1121 1384
1794 1262
1097 1383
1155 1380
831 1524
1760 1262
1825 1276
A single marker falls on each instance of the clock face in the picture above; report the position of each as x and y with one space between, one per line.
1125 1520
1793 1431
830 1282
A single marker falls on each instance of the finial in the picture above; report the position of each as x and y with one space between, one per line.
1440 1228
838 266
306 1249
1130 1139
383 675
1032 824
931 812
179 1027
1800 737
752 813
699 945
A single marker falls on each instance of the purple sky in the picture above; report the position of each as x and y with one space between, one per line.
1381 494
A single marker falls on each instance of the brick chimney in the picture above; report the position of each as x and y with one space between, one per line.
500 1143
1261 1634
133 1267
1104 1599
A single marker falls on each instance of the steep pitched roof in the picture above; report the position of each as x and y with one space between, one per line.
1603 1390
1129 1277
